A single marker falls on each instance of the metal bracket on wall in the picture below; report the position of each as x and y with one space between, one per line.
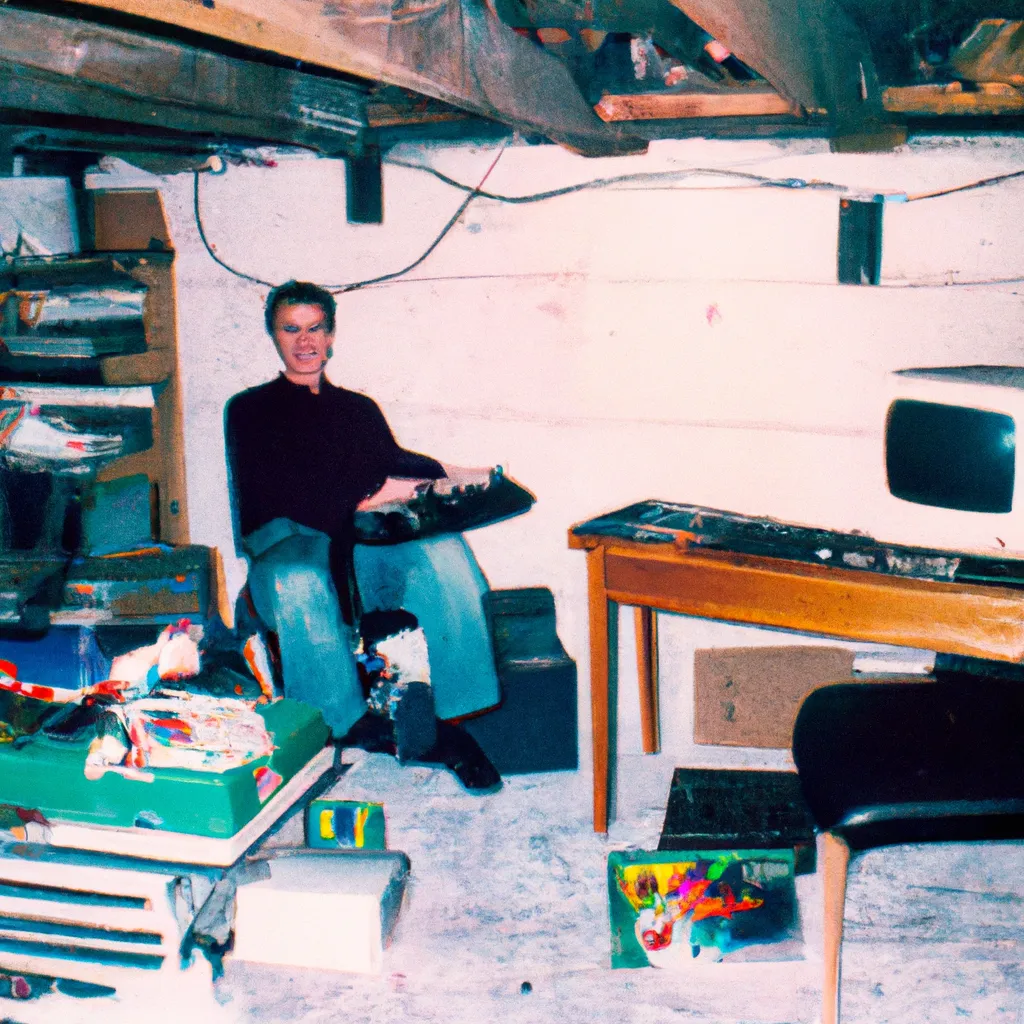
860 241
364 187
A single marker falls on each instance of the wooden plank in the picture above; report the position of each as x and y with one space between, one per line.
275 26
667 105
990 98
981 621
457 52
136 218
62 66
158 920
400 115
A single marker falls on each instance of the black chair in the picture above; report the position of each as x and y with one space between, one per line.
891 763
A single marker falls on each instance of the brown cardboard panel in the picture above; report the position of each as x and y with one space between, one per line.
130 219
749 696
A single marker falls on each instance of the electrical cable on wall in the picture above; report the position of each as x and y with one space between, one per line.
983 183
341 288
206 242
474 192
757 180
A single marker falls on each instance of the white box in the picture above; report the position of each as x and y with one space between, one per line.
327 909
38 213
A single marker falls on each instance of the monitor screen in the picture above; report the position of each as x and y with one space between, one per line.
950 456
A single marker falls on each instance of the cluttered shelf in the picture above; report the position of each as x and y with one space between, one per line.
93 519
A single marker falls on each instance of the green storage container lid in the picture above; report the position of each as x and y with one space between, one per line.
48 775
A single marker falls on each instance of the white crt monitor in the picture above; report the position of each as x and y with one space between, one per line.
954 460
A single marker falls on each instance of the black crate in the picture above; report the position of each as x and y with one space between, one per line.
735 808
534 729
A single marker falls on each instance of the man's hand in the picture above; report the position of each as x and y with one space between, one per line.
395 489
400 489
461 478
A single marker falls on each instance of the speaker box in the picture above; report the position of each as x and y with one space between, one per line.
534 729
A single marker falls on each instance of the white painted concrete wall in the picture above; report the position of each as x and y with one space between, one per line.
684 339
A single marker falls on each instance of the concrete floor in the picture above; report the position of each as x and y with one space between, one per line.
510 889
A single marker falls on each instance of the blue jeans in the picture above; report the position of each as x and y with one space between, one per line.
436 579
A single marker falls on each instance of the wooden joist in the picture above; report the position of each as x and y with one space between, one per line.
987 98
61 66
952 98
455 51
662 106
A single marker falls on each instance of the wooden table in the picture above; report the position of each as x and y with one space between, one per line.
720 565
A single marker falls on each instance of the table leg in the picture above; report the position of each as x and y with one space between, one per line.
647 672
602 616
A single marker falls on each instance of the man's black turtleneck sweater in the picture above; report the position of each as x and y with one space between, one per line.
312 458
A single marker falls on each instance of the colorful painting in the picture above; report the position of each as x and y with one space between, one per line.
678 908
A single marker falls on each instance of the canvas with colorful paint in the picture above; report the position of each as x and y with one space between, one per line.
677 908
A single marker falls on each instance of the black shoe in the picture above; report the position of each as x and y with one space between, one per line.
458 751
373 733
415 724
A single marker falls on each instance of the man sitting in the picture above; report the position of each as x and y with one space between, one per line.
302 454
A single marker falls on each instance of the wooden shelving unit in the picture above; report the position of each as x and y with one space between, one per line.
131 241
138 392
131 229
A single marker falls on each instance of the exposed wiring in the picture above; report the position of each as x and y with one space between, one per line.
206 241
980 283
759 180
640 177
983 183
475 192
352 286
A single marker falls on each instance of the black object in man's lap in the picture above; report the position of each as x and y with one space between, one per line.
430 513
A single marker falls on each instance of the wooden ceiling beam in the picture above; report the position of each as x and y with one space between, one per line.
456 51
987 99
62 66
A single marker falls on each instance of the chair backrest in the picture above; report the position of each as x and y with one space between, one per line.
914 762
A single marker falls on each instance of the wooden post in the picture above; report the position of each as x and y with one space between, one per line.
836 865
647 672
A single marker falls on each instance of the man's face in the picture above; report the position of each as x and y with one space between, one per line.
302 339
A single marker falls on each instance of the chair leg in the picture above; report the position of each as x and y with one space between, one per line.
836 865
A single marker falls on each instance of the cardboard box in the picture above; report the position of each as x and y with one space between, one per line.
750 696
329 909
